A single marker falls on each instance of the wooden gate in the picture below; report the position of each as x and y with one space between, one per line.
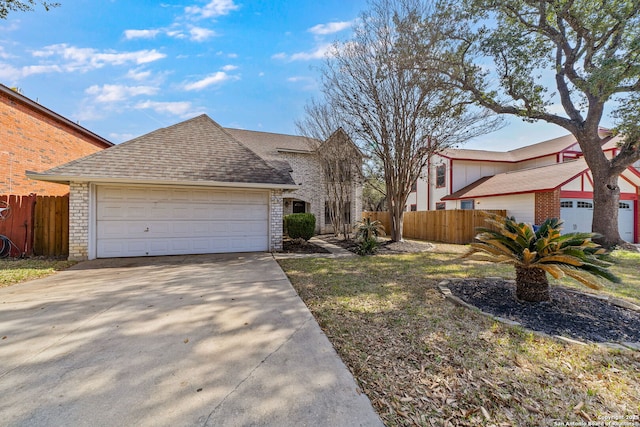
36 225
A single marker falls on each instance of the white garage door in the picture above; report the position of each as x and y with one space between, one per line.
145 221
577 215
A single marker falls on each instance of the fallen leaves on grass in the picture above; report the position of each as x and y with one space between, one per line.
424 361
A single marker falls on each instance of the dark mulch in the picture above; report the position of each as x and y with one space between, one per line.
569 313
302 247
386 246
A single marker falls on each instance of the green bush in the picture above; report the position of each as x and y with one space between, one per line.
367 247
300 225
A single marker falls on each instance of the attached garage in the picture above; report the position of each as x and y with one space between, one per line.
190 188
577 215
143 221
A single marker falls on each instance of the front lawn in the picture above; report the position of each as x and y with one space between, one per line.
425 361
14 271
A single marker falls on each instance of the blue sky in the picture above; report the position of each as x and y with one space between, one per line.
125 68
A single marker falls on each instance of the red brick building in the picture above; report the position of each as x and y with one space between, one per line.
34 138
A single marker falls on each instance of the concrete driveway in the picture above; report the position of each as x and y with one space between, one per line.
198 340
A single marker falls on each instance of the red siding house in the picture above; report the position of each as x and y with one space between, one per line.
549 179
34 138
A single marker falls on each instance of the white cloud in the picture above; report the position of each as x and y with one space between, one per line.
120 137
74 58
116 93
211 79
213 9
138 74
182 109
229 67
320 52
9 73
330 28
140 34
199 34
40 69
176 34
3 54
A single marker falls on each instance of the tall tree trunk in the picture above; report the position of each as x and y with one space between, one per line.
532 284
606 196
396 214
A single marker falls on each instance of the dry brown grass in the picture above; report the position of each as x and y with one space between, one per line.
424 361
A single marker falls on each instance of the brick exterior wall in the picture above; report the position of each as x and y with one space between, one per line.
276 213
547 206
34 140
78 221
307 172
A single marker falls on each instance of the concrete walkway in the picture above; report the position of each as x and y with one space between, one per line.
212 340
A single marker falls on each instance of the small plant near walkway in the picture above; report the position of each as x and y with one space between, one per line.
536 252
367 233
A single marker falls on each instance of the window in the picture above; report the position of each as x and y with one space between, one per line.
299 207
623 205
440 206
466 204
414 187
414 207
585 205
566 204
441 176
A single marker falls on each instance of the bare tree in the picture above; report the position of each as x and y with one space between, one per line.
526 58
7 6
339 159
396 114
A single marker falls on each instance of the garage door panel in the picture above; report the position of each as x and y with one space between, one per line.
577 215
140 221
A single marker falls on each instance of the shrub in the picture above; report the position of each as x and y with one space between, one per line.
367 247
534 252
367 229
300 225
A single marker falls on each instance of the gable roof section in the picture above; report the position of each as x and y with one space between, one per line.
541 149
54 117
545 178
196 151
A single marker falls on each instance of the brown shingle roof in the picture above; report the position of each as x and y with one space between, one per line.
196 150
545 178
267 145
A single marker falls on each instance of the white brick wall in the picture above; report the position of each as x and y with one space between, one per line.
276 220
308 173
78 221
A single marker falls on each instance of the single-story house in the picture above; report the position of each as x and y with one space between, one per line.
190 188
549 179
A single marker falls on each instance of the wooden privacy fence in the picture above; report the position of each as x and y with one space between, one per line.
37 225
447 226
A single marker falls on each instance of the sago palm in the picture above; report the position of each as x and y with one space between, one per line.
536 252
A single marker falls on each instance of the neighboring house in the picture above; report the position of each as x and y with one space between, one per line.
35 138
533 183
190 188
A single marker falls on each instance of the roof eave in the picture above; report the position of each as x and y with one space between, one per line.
63 179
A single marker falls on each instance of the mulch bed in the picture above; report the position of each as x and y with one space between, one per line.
300 247
569 313
386 246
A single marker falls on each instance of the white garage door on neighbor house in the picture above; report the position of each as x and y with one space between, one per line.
147 221
577 215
